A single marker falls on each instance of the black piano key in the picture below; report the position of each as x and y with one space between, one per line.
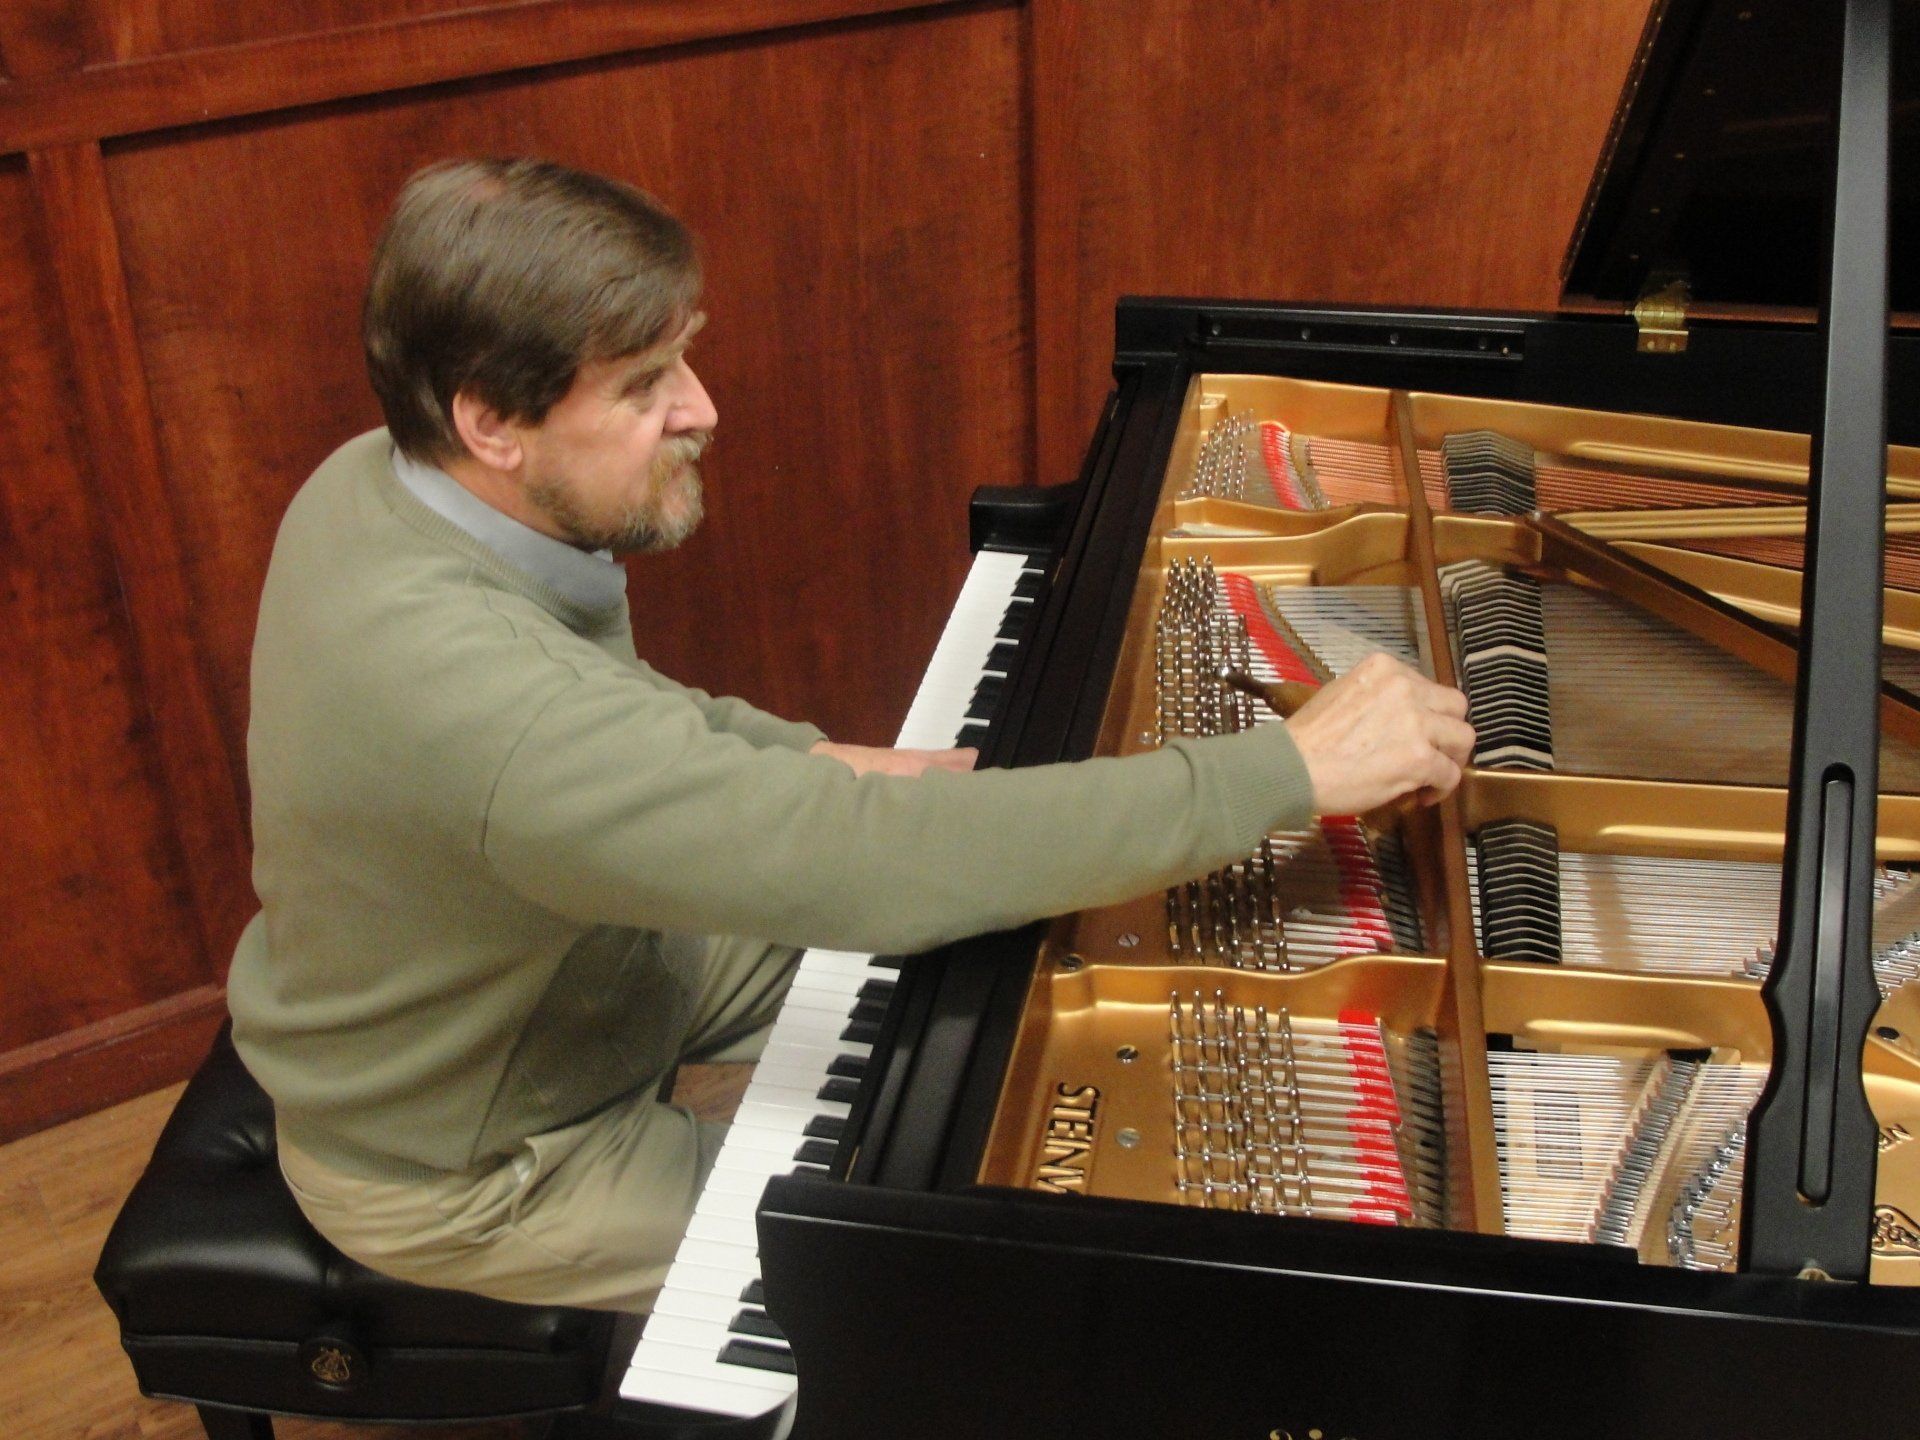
1000 659
868 1012
841 1090
1014 623
758 1356
985 700
847 1067
824 1127
814 1152
885 962
755 1322
876 989
755 1293
861 1032
971 734
1027 587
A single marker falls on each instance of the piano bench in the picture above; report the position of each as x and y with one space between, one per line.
229 1300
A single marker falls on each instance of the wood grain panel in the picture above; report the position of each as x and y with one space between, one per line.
98 915
867 346
42 37
137 95
199 773
1397 152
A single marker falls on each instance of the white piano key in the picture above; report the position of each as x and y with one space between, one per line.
718 1228
723 1205
735 1182
764 1387
834 962
721 1255
810 997
721 1282
808 1078
769 1113
846 984
702 1385
801 1055
698 1333
763 1163
790 1097
765 1141
710 1309
804 1016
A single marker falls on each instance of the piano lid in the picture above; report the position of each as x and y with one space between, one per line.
1717 166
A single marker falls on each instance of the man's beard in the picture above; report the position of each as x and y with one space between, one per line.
670 513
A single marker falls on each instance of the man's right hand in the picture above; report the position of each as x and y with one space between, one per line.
1381 731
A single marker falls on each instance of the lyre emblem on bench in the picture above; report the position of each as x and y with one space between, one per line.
331 1364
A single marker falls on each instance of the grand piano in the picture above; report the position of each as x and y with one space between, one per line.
1582 1104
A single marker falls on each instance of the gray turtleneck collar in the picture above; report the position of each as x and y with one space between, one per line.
593 581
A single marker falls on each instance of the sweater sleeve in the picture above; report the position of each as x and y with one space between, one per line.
734 716
619 805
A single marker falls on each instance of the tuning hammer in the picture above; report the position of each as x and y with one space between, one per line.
1283 697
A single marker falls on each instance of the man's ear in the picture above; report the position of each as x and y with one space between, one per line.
489 437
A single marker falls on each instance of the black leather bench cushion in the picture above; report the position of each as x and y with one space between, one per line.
216 1275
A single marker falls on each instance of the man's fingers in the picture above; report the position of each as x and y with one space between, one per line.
963 758
1452 738
1445 700
1441 781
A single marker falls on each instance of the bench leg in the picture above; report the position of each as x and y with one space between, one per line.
223 1424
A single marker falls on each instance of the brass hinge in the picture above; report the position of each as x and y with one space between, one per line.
1661 314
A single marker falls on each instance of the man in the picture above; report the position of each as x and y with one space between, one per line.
509 874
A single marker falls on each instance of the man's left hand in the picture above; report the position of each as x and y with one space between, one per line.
875 760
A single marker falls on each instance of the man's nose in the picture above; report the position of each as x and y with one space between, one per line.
693 408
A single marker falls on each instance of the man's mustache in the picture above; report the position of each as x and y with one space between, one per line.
687 449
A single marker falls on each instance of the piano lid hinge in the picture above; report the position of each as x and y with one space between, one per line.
1661 314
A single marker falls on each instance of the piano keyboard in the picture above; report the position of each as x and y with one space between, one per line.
709 1344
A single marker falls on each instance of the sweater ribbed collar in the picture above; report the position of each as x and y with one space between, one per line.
589 585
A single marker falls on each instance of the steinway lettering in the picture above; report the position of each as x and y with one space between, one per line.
1066 1145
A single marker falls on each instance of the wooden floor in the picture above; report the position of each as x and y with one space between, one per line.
62 1374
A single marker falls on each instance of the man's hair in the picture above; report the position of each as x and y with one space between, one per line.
502 278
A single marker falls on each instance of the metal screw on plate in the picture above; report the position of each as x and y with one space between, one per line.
1127 1054
1886 1032
1129 940
1147 737
1129 1139
1071 962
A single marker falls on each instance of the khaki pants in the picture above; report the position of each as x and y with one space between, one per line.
587 1215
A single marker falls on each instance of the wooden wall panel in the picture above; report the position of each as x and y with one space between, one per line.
98 918
42 37
1404 151
121 30
855 253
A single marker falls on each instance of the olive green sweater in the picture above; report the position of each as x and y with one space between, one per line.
485 833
